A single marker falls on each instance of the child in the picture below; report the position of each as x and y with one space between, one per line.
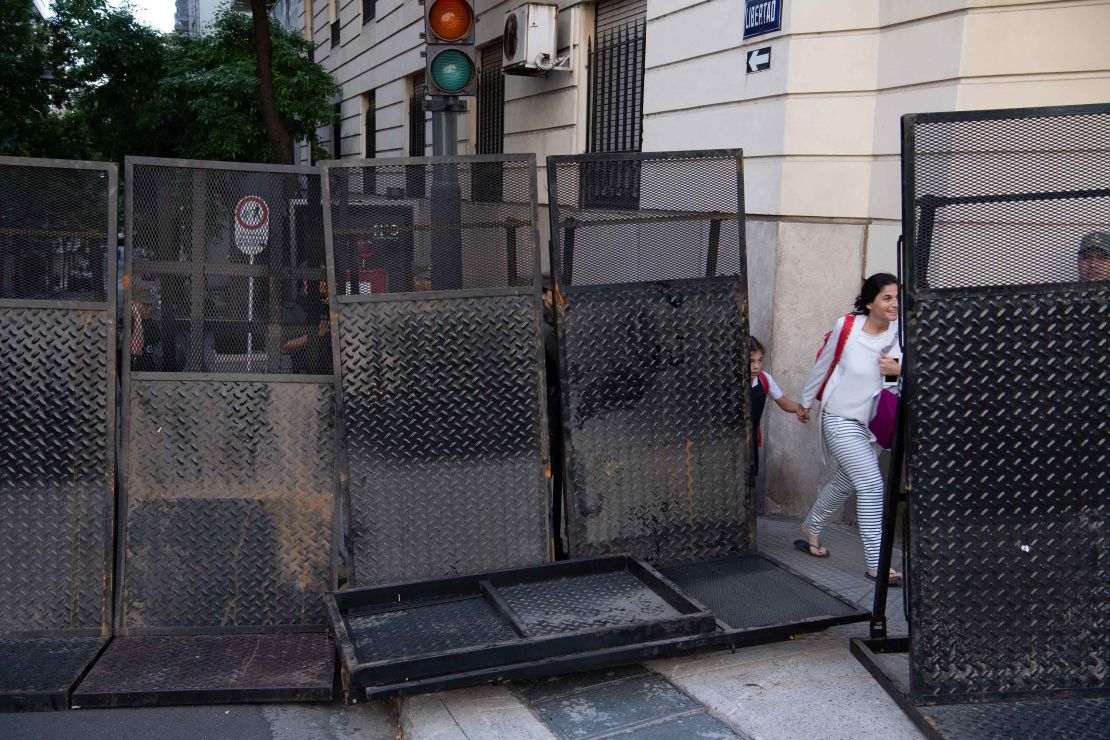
763 385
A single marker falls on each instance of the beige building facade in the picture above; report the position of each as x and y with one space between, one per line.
820 128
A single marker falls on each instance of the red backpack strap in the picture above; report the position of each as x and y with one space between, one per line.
841 340
764 383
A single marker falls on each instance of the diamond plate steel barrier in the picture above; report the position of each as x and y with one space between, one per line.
1007 227
653 327
229 446
57 423
441 358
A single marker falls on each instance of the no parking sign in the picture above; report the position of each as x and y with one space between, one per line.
252 225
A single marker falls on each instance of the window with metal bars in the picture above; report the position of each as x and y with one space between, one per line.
370 139
616 111
370 126
337 133
414 176
333 16
487 180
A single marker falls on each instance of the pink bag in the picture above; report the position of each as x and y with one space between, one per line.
886 415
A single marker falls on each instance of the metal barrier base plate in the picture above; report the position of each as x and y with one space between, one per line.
433 631
749 592
37 674
1078 718
210 669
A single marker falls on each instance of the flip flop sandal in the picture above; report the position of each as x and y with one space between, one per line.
808 549
892 582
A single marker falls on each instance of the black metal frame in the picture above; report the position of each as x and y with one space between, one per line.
120 628
58 697
866 651
109 306
534 290
126 376
917 236
380 678
595 657
561 275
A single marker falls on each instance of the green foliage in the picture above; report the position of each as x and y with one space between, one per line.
94 83
112 68
24 96
213 87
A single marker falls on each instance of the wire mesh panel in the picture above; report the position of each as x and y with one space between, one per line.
229 443
1007 217
57 422
653 333
441 362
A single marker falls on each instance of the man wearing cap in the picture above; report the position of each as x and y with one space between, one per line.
1094 256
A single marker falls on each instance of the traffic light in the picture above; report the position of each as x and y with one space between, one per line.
449 31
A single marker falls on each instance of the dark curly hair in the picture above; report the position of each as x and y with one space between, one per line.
755 346
871 288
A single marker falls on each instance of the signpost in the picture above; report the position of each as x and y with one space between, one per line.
762 16
252 230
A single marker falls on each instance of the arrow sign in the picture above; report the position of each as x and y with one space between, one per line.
759 59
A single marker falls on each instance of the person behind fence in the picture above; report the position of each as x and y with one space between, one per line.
847 378
310 353
763 387
1093 259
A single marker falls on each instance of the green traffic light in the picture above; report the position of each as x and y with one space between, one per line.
451 70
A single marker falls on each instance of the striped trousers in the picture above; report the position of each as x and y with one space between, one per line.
857 471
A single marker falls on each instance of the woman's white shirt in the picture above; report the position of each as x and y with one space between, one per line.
859 380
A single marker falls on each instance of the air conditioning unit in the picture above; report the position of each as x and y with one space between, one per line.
529 40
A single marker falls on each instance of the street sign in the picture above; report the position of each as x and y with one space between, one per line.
762 16
252 225
759 59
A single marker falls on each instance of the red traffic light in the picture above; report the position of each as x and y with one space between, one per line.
450 20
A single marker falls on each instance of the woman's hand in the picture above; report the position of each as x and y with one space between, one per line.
803 414
889 366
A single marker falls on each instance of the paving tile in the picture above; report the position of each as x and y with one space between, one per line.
617 705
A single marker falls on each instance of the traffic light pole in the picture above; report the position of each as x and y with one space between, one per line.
446 196
445 124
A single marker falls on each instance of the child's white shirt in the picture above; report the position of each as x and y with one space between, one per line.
773 389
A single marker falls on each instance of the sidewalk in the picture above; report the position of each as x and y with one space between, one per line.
807 687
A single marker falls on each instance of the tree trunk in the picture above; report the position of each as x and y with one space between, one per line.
276 129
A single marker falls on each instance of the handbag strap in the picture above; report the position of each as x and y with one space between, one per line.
845 330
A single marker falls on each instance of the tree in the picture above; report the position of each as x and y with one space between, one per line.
276 127
110 69
212 84
24 96
94 83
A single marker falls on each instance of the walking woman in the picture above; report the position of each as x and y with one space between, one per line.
848 378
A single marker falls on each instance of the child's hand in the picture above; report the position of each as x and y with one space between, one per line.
803 415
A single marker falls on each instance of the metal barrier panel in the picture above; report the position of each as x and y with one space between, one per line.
441 358
648 254
57 423
1008 358
57 398
228 460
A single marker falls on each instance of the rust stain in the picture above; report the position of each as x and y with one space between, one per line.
126 281
547 472
690 477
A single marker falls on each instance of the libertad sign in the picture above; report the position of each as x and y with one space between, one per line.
762 16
